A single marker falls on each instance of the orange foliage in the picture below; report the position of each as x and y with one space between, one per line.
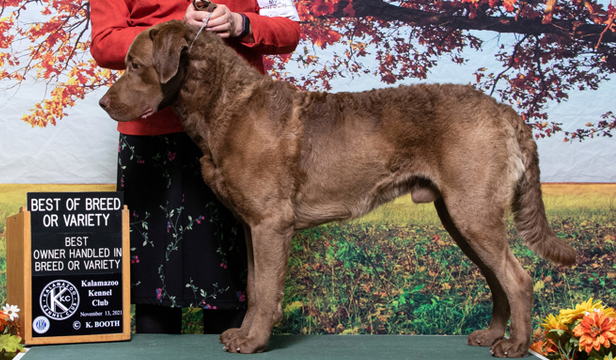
363 37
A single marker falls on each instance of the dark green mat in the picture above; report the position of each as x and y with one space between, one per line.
284 347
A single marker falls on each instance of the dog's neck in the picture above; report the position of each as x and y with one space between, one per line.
216 79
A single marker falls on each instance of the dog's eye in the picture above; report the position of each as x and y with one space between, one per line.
134 66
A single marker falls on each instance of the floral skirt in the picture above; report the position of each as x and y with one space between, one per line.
187 249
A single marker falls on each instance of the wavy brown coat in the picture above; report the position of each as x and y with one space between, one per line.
283 159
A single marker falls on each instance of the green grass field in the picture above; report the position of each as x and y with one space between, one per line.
397 271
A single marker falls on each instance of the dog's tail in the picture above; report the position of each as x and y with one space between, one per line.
529 210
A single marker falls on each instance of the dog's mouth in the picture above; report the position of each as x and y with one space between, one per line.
147 113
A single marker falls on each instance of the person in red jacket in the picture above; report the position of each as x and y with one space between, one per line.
187 249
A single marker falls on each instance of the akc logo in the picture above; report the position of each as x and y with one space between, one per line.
40 325
59 299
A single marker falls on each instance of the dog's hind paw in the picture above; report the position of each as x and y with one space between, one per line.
510 348
484 338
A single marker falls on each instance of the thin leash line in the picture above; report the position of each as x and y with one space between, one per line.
200 30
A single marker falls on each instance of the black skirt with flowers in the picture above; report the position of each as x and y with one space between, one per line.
187 249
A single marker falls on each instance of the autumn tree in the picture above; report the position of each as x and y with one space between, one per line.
559 46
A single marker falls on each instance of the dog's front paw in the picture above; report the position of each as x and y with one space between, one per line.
484 338
229 335
244 344
510 348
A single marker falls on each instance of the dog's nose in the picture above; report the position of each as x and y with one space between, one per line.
104 102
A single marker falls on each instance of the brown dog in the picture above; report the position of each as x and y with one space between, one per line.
283 159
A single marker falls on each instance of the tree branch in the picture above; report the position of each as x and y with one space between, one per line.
382 10
510 65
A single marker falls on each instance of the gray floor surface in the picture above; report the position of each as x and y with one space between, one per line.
207 347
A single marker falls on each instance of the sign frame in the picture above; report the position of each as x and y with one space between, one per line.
19 281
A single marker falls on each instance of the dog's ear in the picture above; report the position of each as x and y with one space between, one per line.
168 44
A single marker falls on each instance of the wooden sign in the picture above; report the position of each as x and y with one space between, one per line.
68 267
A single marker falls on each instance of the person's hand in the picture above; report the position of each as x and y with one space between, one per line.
223 21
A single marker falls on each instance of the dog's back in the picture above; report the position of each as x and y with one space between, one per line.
381 144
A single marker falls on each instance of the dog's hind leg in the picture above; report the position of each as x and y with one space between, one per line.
482 237
500 307
270 253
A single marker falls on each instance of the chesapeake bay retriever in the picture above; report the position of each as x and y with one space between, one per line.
283 159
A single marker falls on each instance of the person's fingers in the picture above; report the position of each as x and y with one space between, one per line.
194 17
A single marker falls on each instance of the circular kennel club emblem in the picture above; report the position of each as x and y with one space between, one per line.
59 300
40 324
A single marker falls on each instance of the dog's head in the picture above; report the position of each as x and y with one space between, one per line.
153 75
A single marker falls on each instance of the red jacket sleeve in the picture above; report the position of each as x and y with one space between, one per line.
273 35
111 34
114 29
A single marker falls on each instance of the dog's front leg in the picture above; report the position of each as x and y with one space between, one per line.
270 251
231 334
208 169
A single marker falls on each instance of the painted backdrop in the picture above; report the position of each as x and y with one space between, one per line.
553 61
